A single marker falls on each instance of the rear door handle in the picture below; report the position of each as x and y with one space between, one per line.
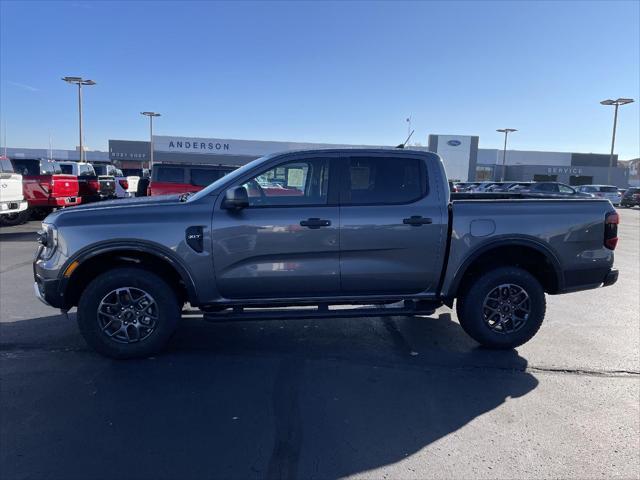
417 220
315 223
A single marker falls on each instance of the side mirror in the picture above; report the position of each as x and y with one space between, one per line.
236 198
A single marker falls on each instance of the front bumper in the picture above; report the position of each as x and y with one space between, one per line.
46 285
13 207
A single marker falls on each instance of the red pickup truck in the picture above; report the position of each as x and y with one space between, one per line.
176 178
45 187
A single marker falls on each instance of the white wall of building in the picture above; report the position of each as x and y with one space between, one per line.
455 151
490 156
227 146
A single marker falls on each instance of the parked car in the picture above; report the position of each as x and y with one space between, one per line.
603 191
133 177
480 186
553 189
45 187
13 206
181 178
463 186
88 183
631 197
370 226
507 186
107 176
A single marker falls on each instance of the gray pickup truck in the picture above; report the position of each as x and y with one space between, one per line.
376 229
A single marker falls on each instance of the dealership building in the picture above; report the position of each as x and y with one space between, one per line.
463 159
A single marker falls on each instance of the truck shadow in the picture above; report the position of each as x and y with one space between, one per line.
13 236
297 399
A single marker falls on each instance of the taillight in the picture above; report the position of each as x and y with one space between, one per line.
94 185
124 184
611 222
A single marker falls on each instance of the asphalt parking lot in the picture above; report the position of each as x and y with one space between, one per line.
359 398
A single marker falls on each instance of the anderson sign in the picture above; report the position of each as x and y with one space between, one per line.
221 146
218 146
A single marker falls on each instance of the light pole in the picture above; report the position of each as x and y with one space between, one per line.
80 82
616 103
150 115
506 132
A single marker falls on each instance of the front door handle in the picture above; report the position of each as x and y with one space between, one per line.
417 220
315 223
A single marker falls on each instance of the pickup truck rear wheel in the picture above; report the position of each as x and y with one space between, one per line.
13 219
503 308
128 313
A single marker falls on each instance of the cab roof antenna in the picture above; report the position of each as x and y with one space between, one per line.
402 145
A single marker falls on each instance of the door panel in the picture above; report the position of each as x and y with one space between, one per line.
265 252
391 247
285 244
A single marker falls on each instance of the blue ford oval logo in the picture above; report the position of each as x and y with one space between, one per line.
454 143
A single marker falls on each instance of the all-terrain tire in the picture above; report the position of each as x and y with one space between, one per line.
14 219
129 282
475 315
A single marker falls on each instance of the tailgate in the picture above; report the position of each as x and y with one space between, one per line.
107 185
10 187
64 186
89 185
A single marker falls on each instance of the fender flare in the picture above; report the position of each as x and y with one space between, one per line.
159 251
507 242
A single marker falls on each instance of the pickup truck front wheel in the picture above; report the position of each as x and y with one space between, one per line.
502 308
128 313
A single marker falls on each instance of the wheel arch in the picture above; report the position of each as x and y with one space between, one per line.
525 253
102 256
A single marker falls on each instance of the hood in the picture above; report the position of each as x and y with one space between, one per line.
114 205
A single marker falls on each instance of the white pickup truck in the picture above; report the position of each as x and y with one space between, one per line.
13 206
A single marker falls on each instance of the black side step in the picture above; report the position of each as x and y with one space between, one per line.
322 311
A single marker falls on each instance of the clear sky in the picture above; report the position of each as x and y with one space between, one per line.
324 72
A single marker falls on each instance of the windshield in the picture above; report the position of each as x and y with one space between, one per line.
230 177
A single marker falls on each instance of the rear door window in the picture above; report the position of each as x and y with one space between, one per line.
170 174
609 189
383 180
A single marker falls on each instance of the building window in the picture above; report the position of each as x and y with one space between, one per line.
483 174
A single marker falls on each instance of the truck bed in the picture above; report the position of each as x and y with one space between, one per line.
570 232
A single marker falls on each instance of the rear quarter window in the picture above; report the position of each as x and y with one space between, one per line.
67 169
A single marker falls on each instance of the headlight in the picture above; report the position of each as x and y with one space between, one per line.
48 238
